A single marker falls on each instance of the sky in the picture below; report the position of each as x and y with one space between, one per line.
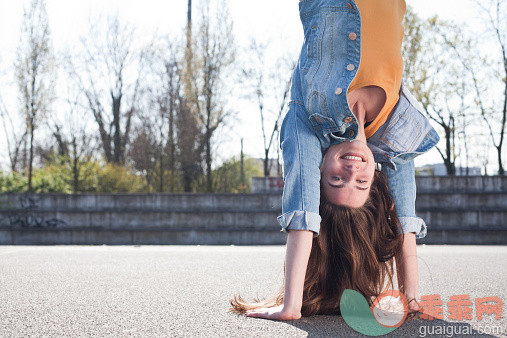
276 20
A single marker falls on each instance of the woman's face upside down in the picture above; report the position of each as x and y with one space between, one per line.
347 173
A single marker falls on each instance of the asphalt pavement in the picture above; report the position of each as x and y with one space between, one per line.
184 291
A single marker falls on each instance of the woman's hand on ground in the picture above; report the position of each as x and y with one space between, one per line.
414 309
413 304
276 312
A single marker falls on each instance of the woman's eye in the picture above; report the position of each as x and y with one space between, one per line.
361 181
336 178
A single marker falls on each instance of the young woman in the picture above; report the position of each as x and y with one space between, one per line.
348 110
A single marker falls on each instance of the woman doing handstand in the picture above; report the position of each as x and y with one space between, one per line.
348 111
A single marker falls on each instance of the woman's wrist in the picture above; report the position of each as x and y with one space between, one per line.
292 305
294 309
292 302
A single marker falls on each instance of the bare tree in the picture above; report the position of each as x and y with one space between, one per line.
76 144
442 62
108 71
475 83
13 139
72 145
423 73
496 22
214 54
143 154
154 149
35 74
188 138
189 146
270 85
436 76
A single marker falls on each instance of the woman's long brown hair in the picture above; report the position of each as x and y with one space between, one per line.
355 250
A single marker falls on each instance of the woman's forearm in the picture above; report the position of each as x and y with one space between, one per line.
406 263
299 245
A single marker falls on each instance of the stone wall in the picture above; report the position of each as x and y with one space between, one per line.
463 210
458 210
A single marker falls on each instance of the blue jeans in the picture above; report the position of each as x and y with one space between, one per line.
318 116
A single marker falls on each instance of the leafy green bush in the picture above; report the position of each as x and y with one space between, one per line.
13 182
61 175
116 178
52 178
227 178
58 176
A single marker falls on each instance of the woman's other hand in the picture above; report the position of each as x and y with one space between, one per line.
414 309
276 313
413 305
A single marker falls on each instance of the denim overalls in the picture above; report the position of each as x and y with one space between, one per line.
319 116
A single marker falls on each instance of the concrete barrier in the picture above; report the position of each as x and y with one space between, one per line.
465 184
458 210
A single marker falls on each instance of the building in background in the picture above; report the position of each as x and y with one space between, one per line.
275 167
271 184
438 169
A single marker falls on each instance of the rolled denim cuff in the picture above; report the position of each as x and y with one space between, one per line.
413 224
300 220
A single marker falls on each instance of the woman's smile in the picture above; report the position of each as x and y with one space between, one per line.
354 157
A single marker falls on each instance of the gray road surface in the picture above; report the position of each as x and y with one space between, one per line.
184 291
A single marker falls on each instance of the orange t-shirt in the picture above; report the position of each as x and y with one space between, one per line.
381 63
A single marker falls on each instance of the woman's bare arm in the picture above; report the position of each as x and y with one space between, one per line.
408 274
299 246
